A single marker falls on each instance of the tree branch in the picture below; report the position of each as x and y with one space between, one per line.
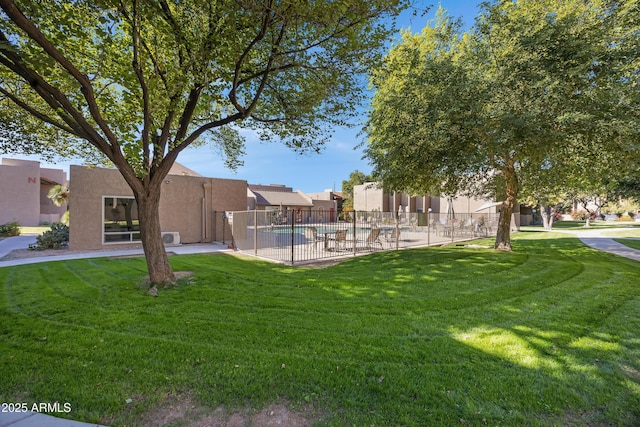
166 11
36 35
54 98
135 36
206 127
266 22
45 118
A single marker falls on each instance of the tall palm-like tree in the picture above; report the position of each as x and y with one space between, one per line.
59 195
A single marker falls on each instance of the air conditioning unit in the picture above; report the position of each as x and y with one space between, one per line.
171 237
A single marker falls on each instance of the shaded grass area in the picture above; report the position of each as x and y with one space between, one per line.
548 334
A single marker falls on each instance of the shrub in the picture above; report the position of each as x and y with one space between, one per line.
580 215
56 238
10 229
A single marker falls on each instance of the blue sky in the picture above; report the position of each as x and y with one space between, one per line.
273 163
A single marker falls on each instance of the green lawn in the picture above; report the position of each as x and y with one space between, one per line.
595 224
632 243
627 232
546 335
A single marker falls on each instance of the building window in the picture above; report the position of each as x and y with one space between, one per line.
120 220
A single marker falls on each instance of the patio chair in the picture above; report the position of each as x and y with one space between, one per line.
341 240
467 227
393 236
373 238
311 237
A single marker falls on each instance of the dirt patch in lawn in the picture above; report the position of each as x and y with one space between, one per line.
183 411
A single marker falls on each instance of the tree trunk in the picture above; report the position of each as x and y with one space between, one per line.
160 272
547 213
544 213
503 238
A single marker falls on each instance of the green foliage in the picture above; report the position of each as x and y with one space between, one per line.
355 178
163 77
10 229
538 95
139 82
56 238
623 206
580 215
546 336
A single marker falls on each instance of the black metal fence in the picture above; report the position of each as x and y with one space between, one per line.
292 237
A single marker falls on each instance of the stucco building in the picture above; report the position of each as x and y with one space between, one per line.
24 186
329 200
103 210
282 199
371 197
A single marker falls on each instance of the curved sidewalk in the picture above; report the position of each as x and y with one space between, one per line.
596 240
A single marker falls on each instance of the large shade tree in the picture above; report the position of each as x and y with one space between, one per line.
530 84
138 81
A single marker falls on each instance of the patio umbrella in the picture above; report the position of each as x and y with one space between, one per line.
488 206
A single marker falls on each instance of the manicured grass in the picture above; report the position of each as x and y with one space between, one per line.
627 232
632 243
594 224
546 335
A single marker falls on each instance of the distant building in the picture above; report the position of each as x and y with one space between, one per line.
276 197
24 186
282 200
371 197
332 201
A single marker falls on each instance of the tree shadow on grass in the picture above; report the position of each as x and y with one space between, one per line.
545 335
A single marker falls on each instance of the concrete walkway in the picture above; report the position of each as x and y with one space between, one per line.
597 240
14 243
35 419
593 238
22 242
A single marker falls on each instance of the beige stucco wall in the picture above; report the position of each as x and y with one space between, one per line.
20 190
187 204
25 198
368 197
